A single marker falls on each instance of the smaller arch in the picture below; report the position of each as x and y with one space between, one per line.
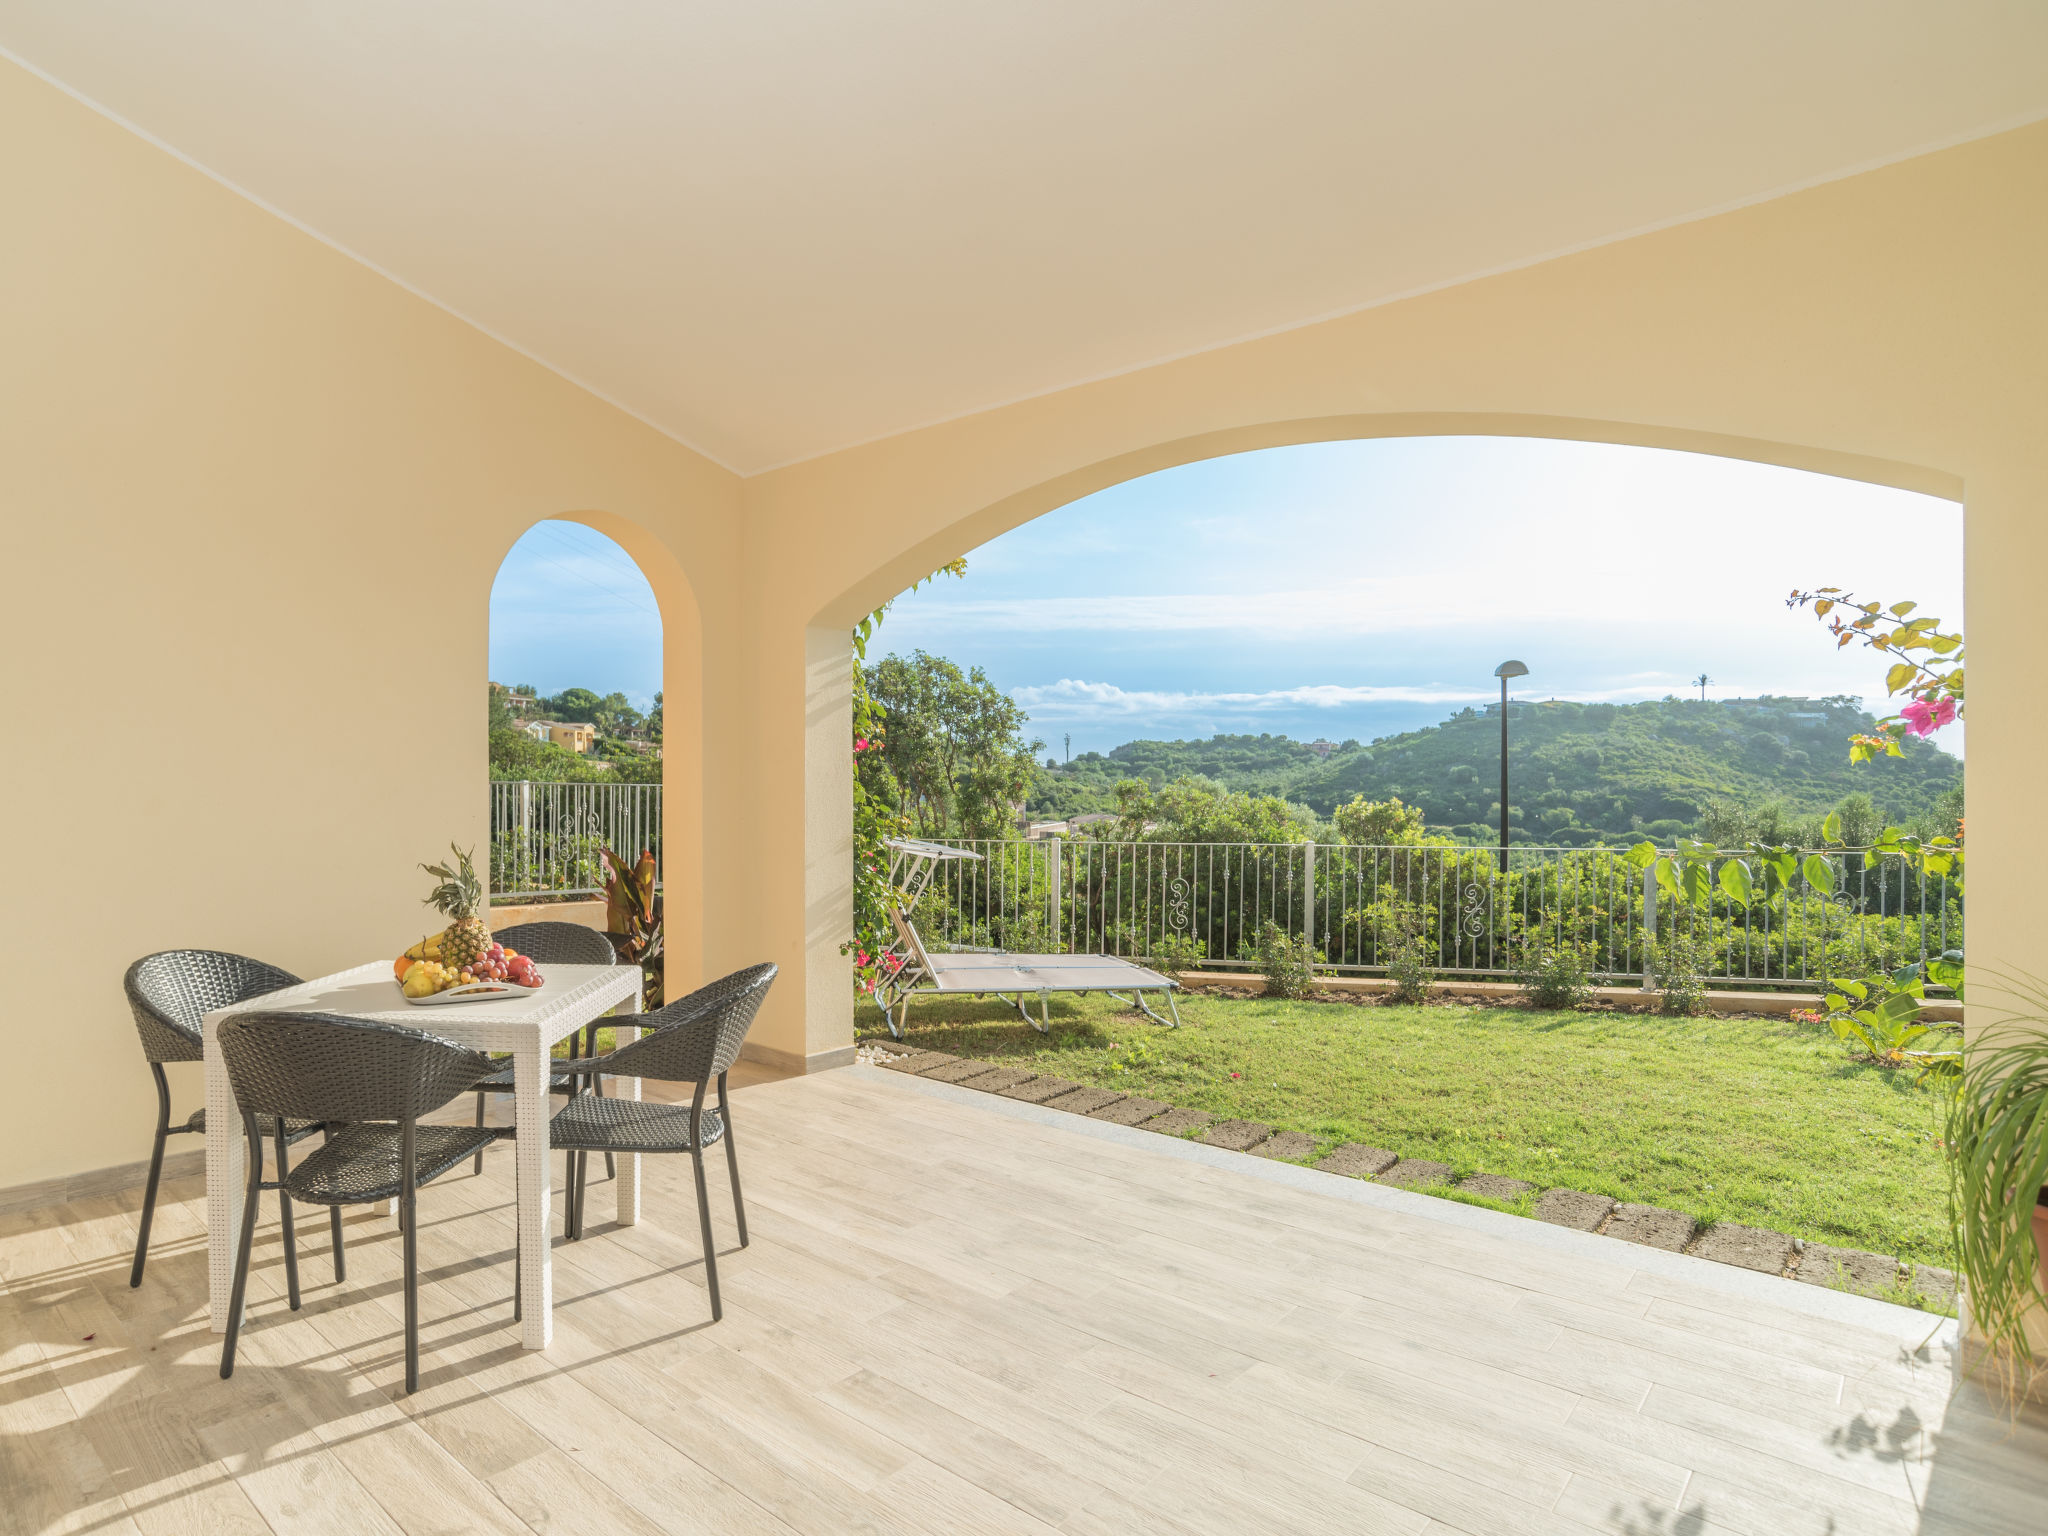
682 758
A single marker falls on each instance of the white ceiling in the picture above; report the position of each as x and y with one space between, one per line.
780 227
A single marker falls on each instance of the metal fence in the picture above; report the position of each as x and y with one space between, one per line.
1205 903
548 839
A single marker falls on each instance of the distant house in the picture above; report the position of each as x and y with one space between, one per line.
537 729
573 734
1090 818
1322 748
1038 831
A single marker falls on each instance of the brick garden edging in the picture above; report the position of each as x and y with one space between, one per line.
1755 1248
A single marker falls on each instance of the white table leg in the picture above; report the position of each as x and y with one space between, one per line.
536 1273
226 1172
624 1033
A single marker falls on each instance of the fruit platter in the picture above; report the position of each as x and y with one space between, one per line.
462 963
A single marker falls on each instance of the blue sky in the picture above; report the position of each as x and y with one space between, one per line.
1347 589
570 609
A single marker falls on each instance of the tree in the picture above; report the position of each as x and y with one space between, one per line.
576 704
1380 823
499 714
874 820
952 746
654 719
613 715
1190 809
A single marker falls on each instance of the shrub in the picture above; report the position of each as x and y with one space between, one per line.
1285 960
1677 965
1401 928
1176 953
1556 973
1409 968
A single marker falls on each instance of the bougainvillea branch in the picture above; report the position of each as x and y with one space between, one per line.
1927 664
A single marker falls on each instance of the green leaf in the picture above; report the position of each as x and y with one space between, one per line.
1855 989
1694 881
1735 880
1642 854
1820 874
1946 973
1667 877
1831 828
1900 676
1902 609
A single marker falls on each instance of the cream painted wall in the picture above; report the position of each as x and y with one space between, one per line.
1892 327
243 477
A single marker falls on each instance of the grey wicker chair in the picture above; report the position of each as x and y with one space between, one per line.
694 1040
369 1083
170 993
553 944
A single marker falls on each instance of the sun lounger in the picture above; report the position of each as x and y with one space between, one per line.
910 968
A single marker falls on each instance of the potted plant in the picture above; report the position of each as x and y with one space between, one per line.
633 921
1998 1195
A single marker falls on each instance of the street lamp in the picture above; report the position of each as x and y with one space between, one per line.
1504 671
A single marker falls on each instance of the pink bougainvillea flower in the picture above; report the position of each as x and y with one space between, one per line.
1237 1074
1924 719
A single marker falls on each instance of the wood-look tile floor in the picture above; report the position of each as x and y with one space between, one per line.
954 1318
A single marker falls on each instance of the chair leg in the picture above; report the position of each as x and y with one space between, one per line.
596 1081
241 1290
334 1223
732 1160
580 1162
409 1212
518 1266
284 1215
704 1224
156 1169
479 1125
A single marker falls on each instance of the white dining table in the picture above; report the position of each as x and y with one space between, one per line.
528 1027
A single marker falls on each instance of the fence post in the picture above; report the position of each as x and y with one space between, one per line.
1052 895
1308 892
1649 923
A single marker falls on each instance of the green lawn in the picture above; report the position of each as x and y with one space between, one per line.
1760 1121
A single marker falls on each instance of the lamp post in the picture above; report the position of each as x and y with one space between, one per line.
1504 671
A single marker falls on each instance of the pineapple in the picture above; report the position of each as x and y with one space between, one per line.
460 896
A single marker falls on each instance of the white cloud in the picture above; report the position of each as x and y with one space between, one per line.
1075 698
1375 606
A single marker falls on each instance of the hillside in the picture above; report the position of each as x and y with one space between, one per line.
1581 773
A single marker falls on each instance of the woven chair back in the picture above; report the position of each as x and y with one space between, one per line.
323 1066
171 992
695 1038
559 943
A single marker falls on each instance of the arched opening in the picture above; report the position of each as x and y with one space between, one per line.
1224 847
585 745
